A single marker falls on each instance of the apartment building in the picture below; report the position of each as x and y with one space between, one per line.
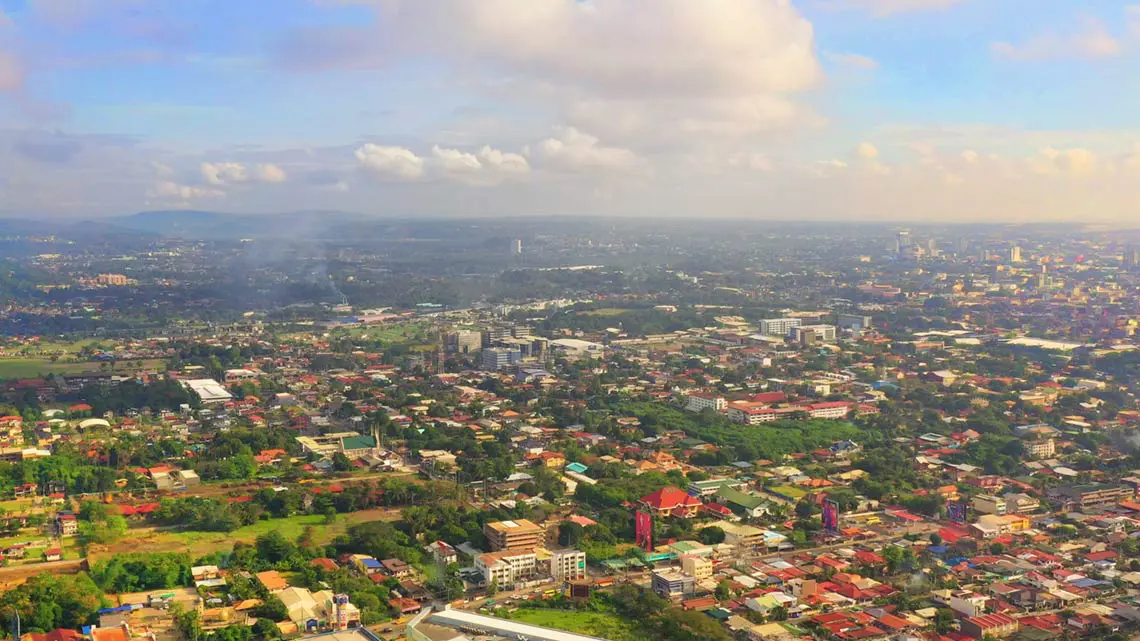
697 402
1042 448
514 535
1090 495
699 568
508 567
568 565
778 326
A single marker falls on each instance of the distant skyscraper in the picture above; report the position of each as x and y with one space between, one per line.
1131 257
1015 254
902 242
516 247
932 247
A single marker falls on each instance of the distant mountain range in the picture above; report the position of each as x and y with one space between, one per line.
206 225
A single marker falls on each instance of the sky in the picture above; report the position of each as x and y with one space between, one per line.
884 110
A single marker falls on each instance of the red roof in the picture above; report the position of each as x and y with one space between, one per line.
669 498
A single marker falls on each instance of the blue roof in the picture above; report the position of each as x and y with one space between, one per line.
370 563
576 467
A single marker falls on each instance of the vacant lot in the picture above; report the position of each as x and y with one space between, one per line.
202 543
606 311
35 367
595 624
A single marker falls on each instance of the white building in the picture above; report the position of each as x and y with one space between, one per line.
823 333
209 390
1043 448
507 567
568 565
778 326
698 402
968 604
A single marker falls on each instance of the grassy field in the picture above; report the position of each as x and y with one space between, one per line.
34 367
201 543
606 311
597 624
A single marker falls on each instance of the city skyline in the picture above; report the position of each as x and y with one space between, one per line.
941 110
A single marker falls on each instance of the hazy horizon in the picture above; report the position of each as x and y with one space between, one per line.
907 111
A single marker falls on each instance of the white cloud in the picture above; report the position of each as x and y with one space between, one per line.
167 189
853 60
11 72
867 151
488 167
573 150
1072 162
503 161
270 173
236 173
1091 41
391 162
693 69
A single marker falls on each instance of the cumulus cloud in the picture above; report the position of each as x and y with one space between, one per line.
396 163
1091 41
716 67
573 150
270 173
234 173
1072 162
508 163
487 167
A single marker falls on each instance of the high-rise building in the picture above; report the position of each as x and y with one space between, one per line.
854 322
497 358
1131 257
902 242
932 247
1015 254
516 247
464 342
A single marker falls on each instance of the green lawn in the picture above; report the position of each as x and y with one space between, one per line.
597 624
606 311
34 367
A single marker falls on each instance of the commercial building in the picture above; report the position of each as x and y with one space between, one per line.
209 390
697 567
672 583
1091 495
497 358
853 322
778 326
744 537
968 604
568 565
697 402
464 342
508 567
484 626
812 334
671 501
514 535
984 504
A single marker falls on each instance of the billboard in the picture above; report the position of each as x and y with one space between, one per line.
643 523
956 511
831 517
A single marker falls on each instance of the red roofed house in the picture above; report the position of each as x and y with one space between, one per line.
671 501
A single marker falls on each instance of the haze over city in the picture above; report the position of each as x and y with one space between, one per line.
944 110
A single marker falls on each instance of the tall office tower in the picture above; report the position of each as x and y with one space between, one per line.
1131 257
516 247
1015 254
932 247
902 242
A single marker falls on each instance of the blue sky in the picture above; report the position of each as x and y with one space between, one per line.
890 109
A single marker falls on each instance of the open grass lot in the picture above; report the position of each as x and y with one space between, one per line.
596 624
201 543
34 367
606 311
